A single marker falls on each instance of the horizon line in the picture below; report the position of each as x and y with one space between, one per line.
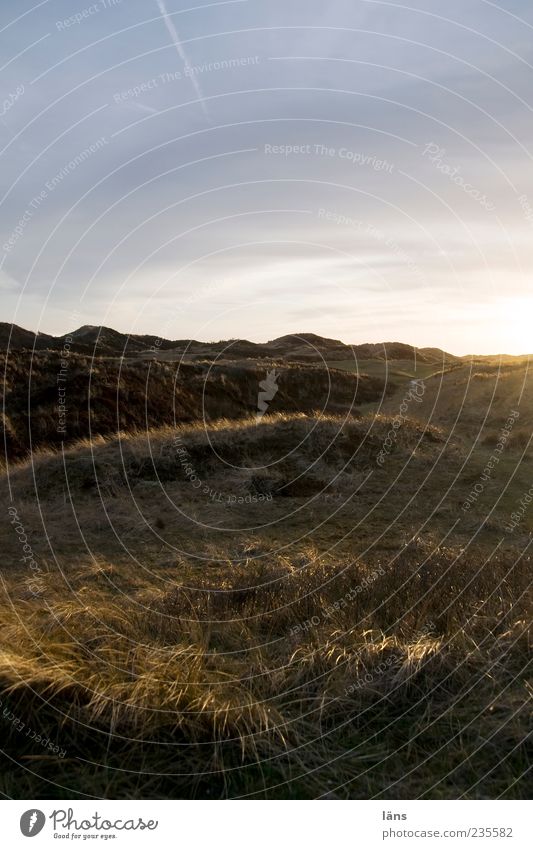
254 342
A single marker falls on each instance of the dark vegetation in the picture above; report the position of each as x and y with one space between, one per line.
104 395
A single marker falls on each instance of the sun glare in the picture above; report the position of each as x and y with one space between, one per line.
515 322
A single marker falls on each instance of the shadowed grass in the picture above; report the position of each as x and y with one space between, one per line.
306 677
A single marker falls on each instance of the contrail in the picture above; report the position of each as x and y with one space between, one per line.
169 23
144 108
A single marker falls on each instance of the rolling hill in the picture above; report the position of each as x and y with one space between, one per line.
51 398
298 347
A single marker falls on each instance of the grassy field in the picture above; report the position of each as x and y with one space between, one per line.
263 610
392 371
106 394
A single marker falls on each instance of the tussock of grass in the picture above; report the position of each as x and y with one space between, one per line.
272 665
313 448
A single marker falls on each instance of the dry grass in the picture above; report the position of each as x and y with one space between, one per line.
104 395
168 659
475 400
277 683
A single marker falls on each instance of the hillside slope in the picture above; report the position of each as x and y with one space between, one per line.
101 395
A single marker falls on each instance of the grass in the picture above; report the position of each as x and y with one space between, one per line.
345 639
269 685
104 395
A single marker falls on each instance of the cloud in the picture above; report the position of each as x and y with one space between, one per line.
142 107
169 23
7 283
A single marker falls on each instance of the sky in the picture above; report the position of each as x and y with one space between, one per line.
359 169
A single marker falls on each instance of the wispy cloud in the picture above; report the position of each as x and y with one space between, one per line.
7 283
169 23
142 107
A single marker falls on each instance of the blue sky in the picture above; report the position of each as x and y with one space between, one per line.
361 170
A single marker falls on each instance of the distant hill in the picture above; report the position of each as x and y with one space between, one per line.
401 351
298 347
16 337
104 340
